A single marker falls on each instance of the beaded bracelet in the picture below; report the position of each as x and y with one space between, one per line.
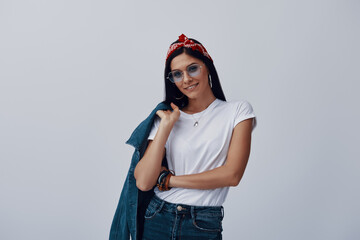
164 179
162 176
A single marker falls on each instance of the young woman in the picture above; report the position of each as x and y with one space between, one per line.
206 143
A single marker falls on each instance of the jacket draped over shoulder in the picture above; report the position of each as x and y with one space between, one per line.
129 215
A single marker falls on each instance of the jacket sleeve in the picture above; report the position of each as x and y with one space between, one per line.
119 229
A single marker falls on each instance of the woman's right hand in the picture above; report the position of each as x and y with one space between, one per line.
168 117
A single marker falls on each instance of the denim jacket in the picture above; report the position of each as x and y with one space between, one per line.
129 216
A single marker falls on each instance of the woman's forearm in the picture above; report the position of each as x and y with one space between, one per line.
219 177
148 169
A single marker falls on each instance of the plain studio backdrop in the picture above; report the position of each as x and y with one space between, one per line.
78 76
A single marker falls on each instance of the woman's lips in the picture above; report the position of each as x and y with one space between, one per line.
192 87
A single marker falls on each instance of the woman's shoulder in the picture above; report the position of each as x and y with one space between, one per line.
236 104
242 110
241 107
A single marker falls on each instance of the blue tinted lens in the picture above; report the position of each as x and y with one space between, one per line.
193 70
175 76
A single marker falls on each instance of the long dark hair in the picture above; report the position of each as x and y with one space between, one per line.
173 94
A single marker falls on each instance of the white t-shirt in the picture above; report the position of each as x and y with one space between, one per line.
194 149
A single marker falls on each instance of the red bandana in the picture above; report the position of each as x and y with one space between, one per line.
185 42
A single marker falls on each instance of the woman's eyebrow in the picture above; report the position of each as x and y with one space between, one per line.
186 66
191 64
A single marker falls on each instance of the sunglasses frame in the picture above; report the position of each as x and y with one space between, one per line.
182 73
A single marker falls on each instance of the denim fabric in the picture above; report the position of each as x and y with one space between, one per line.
168 221
129 215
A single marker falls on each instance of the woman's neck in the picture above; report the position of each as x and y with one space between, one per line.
198 105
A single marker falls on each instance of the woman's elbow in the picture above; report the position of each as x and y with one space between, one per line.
144 182
235 180
143 186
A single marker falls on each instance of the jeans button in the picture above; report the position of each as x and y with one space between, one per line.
179 208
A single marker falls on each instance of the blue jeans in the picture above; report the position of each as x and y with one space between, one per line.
168 221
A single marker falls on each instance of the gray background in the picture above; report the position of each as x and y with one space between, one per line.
78 76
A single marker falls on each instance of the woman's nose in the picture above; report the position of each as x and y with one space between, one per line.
187 77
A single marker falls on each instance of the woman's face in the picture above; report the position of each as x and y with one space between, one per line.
193 87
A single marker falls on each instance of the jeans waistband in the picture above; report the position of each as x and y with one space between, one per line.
184 209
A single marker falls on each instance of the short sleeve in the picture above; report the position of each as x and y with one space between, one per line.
154 128
244 111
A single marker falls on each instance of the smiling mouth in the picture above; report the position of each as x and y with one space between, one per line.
192 86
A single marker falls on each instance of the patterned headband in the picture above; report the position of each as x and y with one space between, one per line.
188 43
